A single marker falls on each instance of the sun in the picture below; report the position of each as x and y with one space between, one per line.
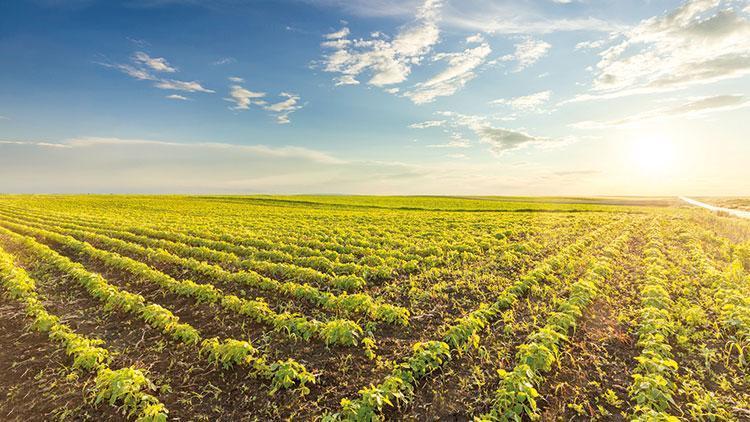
653 154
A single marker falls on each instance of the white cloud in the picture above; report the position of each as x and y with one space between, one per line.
417 39
342 33
107 165
476 38
133 72
590 45
224 60
186 86
460 70
157 64
38 144
426 124
528 52
338 44
142 67
500 140
387 62
696 107
236 79
371 8
514 24
526 103
486 16
700 42
262 150
243 98
177 97
457 141
285 107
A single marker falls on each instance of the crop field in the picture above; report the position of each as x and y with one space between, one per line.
268 308
736 203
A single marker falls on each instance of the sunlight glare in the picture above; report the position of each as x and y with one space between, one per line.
653 154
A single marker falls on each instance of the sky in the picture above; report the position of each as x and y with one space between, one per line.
454 97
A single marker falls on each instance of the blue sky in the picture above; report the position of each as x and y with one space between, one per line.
382 96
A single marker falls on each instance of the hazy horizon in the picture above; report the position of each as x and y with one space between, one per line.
424 97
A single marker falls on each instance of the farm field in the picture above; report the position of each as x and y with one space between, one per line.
368 308
732 202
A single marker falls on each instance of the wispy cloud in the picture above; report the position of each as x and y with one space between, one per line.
145 68
139 42
526 103
157 64
493 17
133 72
284 108
476 38
262 150
177 97
244 98
461 69
224 60
527 24
527 52
693 108
106 165
337 35
386 61
699 42
499 139
186 86
457 141
426 124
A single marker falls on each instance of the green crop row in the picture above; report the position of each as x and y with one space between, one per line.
730 294
347 304
339 331
125 387
517 394
653 388
429 356
156 316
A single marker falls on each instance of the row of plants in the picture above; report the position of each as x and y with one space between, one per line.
706 388
653 387
282 271
403 255
276 262
330 263
344 304
517 394
729 292
334 332
456 249
463 334
312 269
370 266
283 374
371 251
127 388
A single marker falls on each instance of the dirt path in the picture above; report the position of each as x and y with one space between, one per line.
731 211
